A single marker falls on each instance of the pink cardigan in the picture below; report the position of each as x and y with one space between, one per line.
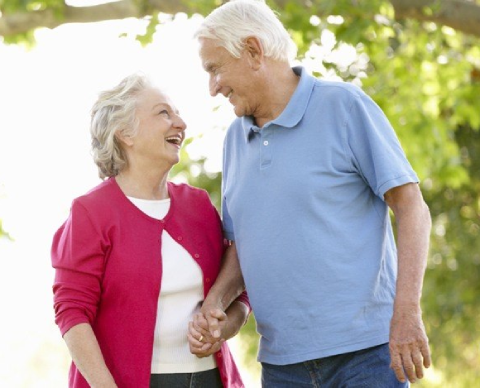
108 270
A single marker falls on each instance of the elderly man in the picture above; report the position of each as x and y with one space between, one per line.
311 169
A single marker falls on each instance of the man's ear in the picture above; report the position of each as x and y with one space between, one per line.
254 51
126 140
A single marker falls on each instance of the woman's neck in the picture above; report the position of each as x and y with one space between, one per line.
143 186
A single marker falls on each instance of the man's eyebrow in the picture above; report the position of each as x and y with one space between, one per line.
208 66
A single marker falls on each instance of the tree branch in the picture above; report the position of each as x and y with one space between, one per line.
461 15
21 22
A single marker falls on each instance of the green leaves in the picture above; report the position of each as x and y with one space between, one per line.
3 233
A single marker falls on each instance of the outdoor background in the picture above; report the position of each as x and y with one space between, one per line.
419 60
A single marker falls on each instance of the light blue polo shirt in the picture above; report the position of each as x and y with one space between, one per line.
303 200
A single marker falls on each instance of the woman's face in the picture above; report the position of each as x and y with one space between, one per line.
161 130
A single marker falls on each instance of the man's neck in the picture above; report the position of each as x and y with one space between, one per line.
280 86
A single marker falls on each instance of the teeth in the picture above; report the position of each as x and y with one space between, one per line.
174 139
229 94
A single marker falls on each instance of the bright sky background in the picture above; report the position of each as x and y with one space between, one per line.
45 98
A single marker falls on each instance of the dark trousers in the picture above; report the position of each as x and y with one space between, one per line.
206 379
367 368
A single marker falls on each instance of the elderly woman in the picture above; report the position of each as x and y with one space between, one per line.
138 254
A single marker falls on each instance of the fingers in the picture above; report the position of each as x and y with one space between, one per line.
202 334
397 365
195 342
409 368
417 361
407 361
200 321
425 350
213 325
215 318
202 345
219 314
198 348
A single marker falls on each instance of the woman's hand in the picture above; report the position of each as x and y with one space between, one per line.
201 342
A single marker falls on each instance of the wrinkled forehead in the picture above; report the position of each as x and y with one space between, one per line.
211 52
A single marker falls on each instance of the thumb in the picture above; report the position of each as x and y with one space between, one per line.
213 322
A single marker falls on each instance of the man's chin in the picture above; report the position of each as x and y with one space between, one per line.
238 111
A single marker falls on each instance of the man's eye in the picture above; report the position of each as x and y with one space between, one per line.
164 112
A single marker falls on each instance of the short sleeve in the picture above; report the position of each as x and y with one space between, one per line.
376 151
226 219
78 257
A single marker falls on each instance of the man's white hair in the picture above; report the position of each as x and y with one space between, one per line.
233 22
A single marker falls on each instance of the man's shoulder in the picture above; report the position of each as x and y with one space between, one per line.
339 89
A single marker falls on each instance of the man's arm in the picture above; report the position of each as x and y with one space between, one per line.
228 286
409 348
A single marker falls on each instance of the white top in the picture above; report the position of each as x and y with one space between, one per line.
180 297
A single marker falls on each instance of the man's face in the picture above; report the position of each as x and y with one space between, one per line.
232 77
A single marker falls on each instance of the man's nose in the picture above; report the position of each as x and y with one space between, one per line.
213 86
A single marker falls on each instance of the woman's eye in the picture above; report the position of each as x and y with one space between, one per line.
164 112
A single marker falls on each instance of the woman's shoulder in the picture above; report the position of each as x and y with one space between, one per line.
186 190
105 194
191 197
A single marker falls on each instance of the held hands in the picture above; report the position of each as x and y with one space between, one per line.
206 333
409 350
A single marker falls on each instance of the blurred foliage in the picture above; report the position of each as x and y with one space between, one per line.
426 78
451 302
3 233
194 172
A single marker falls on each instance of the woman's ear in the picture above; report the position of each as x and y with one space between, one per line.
126 140
254 51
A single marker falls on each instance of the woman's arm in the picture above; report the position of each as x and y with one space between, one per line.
87 356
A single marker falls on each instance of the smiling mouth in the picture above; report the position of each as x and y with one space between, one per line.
176 140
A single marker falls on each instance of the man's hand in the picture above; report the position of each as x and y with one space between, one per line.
216 320
201 340
409 350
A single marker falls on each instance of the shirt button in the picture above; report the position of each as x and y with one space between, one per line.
265 143
207 280
162 221
196 255
179 238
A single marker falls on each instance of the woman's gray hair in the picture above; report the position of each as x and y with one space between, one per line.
112 113
233 22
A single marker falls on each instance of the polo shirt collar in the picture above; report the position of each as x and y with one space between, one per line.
295 109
